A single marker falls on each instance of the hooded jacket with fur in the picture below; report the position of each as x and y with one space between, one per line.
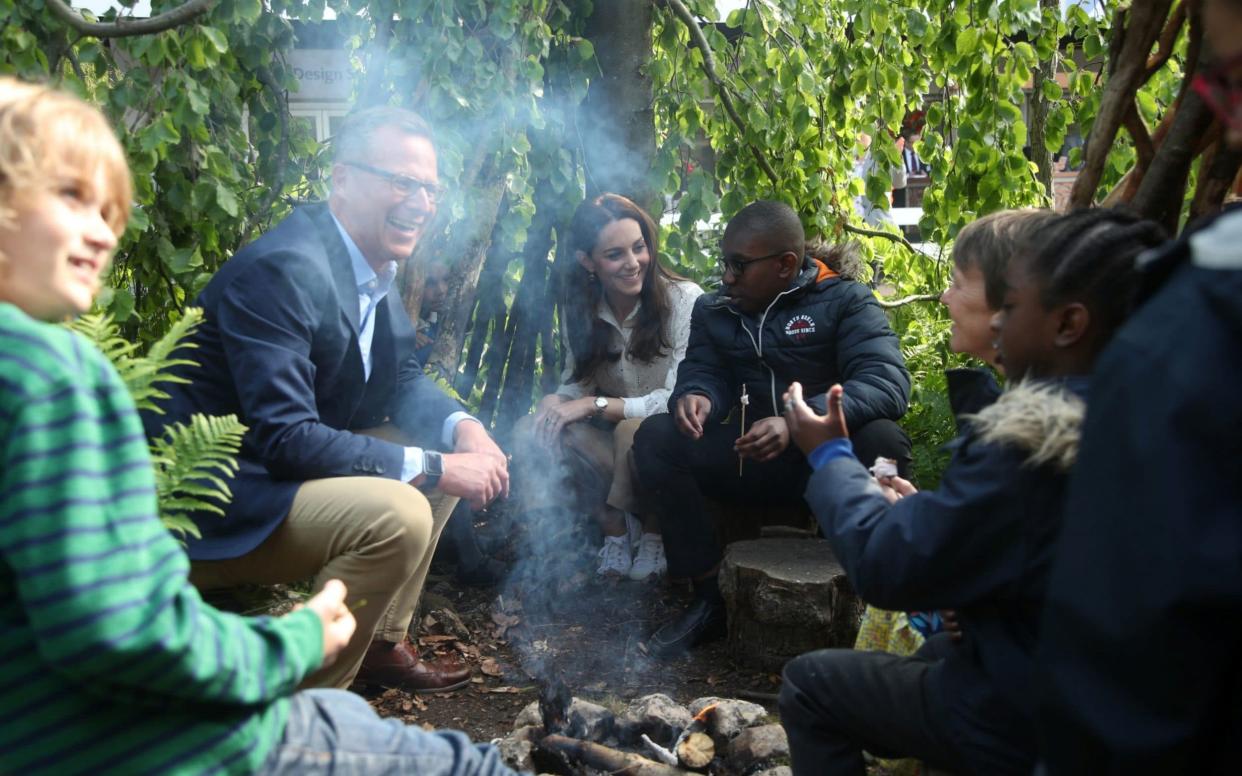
982 543
826 328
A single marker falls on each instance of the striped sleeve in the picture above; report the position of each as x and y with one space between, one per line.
99 578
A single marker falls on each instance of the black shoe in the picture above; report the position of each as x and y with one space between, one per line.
704 621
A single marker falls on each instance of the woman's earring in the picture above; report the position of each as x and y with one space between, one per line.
591 276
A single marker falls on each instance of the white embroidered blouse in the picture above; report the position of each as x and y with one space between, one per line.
644 387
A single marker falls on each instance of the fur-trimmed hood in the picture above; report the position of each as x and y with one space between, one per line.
845 258
1043 418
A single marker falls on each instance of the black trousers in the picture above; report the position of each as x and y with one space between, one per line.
836 703
675 472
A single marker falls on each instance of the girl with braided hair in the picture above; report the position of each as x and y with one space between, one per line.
981 544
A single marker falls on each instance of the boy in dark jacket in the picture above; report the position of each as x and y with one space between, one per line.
980 544
781 316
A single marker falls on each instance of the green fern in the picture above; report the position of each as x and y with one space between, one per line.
141 373
194 462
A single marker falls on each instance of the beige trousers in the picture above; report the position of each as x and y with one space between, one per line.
376 535
603 454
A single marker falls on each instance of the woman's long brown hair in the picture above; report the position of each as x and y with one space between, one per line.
588 335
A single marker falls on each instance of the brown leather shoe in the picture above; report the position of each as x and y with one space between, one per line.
398 665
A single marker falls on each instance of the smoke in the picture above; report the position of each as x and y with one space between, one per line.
575 625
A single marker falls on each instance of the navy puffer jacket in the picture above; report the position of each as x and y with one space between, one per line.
824 329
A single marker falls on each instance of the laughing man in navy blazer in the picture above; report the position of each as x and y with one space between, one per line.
305 340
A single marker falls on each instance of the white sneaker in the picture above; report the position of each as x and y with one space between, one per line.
650 559
614 557
634 529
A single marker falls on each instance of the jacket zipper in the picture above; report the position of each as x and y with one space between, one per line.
758 345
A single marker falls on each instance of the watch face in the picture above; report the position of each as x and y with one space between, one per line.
601 403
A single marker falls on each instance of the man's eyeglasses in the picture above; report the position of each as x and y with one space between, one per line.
1220 92
403 185
738 265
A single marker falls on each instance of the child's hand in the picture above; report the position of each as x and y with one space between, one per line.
338 621
808 429
895 488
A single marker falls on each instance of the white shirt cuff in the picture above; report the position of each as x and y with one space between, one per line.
412 466
635 407
450 427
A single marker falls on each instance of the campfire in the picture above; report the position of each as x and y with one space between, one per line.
653 736
545 619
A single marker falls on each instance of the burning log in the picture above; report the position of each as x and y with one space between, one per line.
606 758
554 700
696 750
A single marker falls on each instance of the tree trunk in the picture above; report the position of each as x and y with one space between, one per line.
617 125
785 597
490 307
531 302
463 280
1163 190
1136 32
497 355
1218 173
1046 72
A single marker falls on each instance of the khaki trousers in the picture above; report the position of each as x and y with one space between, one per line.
597 461
376 535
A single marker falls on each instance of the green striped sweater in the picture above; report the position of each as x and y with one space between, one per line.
110 662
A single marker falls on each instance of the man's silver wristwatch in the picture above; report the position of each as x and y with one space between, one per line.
433 468
601 404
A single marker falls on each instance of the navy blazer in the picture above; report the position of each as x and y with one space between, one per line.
278 347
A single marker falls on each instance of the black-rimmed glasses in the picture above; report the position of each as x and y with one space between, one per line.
737 266
403 185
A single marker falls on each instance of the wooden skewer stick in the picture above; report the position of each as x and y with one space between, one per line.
745 401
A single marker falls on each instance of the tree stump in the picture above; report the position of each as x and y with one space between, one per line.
786 597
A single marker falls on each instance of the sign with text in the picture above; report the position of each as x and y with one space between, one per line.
322 74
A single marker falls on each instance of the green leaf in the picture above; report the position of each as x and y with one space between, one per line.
1146 103
916 23
195 57
249 11
121 306
158 134
227 200
967 42
216 38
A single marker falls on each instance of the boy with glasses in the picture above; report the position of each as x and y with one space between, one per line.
782 315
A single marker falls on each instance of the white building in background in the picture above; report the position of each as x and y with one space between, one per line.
325 85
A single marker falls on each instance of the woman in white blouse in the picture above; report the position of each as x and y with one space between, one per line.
626 320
